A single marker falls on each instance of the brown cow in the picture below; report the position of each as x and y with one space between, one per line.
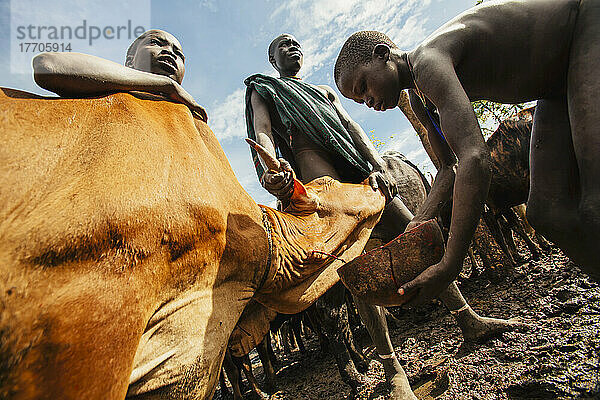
129 249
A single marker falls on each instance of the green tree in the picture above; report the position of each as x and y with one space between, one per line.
490 114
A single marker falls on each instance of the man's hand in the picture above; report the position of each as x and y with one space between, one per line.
430 283
177 93
280 184
381 178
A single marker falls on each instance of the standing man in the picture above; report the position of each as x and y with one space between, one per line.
549 53
308 126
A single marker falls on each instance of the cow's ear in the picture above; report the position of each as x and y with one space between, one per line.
299 190
301 199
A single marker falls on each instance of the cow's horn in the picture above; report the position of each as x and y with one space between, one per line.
271 162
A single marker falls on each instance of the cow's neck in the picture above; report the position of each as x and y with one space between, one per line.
302 245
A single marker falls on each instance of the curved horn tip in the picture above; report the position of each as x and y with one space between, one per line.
271 162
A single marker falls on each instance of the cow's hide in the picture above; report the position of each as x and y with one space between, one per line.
129 250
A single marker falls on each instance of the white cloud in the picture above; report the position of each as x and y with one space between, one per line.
323 27
410 146
210 5
227 118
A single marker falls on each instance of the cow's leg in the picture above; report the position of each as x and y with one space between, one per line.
507 232
291 335
473 326
544 244
374 319
265 359
517 226
224 389
245 365
492 223
357 356
295 323
312 315
521 210
284 331
334 320
474 267
234 376
272 358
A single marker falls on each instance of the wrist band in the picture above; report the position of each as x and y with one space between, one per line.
456 312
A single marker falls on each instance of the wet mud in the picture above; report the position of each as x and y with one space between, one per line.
557 357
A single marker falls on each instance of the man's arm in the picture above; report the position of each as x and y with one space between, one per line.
280 184
379 177
80 75
471 184
441 190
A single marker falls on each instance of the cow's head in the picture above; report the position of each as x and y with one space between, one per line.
326 224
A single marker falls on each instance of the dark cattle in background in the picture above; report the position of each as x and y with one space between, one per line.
509 186
233 365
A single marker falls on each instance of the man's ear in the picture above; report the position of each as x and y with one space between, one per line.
381 52
272 61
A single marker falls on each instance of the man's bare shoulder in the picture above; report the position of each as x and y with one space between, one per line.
328 91
490 20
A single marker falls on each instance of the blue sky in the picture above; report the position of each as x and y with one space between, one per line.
226 41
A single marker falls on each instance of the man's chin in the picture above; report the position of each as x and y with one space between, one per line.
393 103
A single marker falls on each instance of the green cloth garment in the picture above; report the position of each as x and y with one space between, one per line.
296 104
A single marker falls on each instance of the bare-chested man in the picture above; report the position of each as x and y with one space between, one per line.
312 157
155 64
510 52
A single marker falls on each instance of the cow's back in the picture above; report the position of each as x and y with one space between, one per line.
412 184
108 206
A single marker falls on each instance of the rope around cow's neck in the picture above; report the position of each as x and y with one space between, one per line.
267 225
328 254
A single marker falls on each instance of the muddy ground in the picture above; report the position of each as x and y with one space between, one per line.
557 357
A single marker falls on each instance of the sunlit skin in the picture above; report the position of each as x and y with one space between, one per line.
288 57
160 53
157 66
474 56
375 85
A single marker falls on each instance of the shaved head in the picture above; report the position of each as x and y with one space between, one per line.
275 41
134 46
157 52
357 50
